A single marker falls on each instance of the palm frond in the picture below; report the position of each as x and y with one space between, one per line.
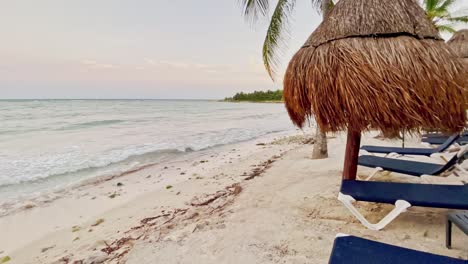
438 11
276 35
252 9
317 4
430 5
446 28
460 19
445 5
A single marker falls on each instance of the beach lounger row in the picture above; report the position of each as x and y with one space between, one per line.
350 249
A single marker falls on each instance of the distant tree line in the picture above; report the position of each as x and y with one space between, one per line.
257 96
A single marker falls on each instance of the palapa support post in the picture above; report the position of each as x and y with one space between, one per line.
351 156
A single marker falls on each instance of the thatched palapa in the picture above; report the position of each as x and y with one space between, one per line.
376 64
459 44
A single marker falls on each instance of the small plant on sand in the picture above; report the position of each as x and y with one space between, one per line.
98 222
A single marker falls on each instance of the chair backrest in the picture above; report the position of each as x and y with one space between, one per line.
456 159
447 143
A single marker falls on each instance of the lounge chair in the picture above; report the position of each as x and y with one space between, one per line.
403 195
438 134
412 151
355 250
413 168
438 140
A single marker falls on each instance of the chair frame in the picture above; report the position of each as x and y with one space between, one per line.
401 206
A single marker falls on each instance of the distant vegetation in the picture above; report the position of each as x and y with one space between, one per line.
257 96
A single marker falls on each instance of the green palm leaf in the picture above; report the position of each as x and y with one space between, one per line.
446 28
278 30
430 4
254 8
277 33
462 19
445 5
439 12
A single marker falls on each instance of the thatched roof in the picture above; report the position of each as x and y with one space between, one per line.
376 64
459 43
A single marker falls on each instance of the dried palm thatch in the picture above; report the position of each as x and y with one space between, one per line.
459 44
376 64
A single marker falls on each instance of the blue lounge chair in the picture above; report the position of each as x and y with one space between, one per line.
403 195
412 151
413 168
462 140
355 250
440 135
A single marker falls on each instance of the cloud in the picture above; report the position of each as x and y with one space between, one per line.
92 64
192 66
253 68
150 62
177 64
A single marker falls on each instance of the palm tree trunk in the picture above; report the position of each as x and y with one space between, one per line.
320 147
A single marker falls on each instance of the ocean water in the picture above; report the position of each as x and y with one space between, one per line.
46 144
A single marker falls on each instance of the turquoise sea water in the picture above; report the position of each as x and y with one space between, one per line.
51 143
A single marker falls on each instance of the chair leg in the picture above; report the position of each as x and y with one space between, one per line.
448 234
392 155
373 173
400 207
463 170
439 157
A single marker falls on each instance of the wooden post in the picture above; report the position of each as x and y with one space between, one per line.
351 156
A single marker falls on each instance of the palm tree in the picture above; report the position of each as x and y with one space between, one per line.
439 13
275 39
277 33
275 42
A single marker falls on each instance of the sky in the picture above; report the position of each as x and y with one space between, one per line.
145 49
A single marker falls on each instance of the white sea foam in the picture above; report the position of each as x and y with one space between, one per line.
49 143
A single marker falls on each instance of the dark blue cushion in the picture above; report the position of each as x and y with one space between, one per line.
409 167
425 195
355 250
441 140
441 135
402 151
413 151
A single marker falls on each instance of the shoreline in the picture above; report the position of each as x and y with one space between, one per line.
97 196
20 203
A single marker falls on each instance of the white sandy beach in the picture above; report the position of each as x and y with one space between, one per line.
251 202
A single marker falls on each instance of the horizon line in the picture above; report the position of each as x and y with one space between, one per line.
149 99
